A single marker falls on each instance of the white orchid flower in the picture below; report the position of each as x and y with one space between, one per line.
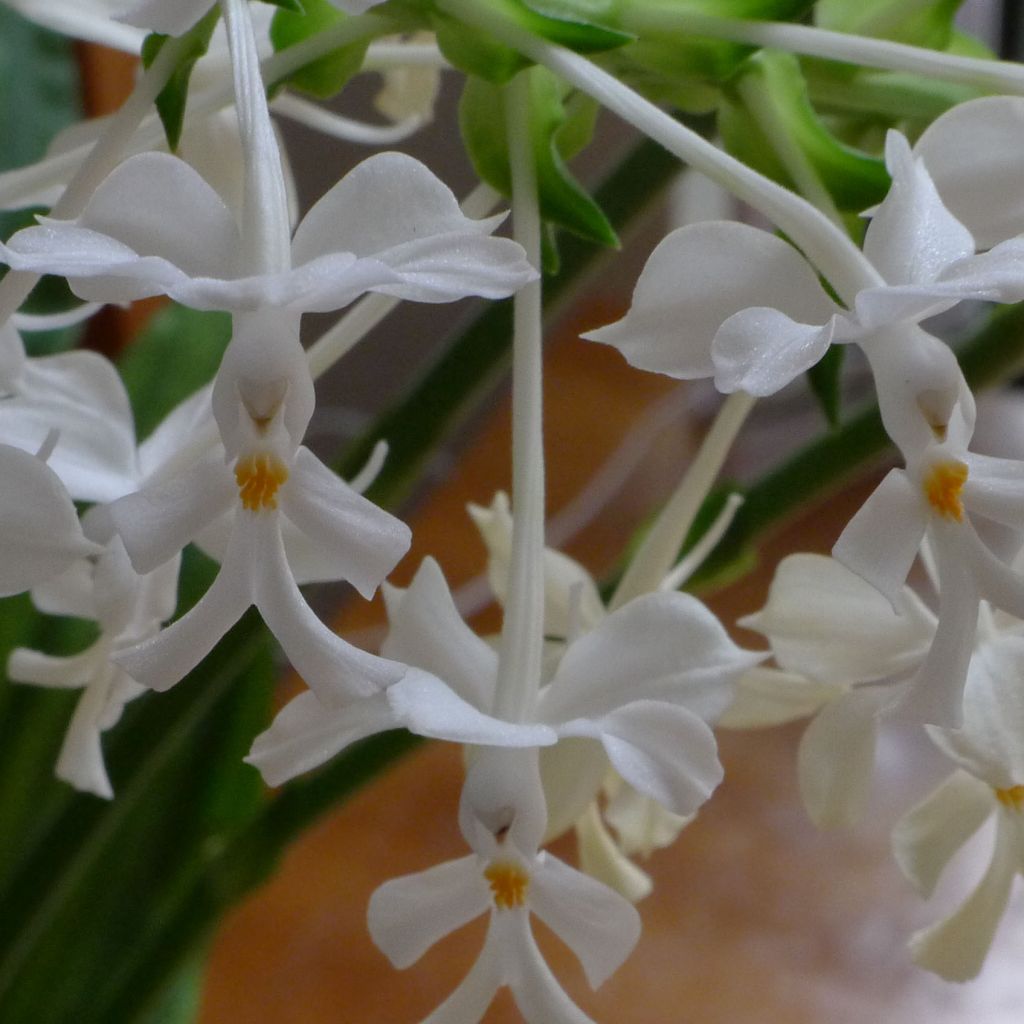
842 650
727 300
937 496
625 684
285 519
128 608
989 752
156 227
508 878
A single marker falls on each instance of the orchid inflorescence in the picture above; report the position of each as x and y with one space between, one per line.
593 711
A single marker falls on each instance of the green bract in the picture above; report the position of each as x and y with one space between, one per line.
853 179
561 124
170 104
328 75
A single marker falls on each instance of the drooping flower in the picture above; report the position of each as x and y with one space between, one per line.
507 877
755 316
989 781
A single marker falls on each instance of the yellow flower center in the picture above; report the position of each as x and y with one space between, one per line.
259 476
509 883
942 487
1012 798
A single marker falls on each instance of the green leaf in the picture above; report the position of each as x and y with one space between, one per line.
825 380
581 25
474 51
782 115
557 129
926 23
173 98
327 76
177 353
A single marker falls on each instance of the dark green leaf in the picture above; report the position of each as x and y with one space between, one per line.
327 76
173 98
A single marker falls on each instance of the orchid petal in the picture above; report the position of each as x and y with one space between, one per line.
955 948
996 275
571 773
186 421
698 277
28 666
912 237
357 540
156 522
836 758
333 668
881 541
760 350
768 696
168 657
70 593
408 915
826 623
429 707
641 824
995 489
601 858
305 734
595 922
469 1002
664 751
925 839
40 535
384 202
974 153
664 646
426 630
541 1000
80 761
81 395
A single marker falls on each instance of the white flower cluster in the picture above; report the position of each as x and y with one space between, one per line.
581 717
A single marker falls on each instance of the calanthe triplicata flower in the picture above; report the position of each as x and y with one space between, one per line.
507 876
989 781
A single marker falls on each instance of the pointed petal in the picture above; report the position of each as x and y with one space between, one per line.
168 657
912 237
408 915
595 922
826 623
305 734
955 948
80 762
697 278
70 593
40 535
925 839
331 666
427 706
836 759
881 541
760 350
663 751
156 522
427 631
182 425
974 153
357 540
666 647
39 669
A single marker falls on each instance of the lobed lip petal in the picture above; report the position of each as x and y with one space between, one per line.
408 915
